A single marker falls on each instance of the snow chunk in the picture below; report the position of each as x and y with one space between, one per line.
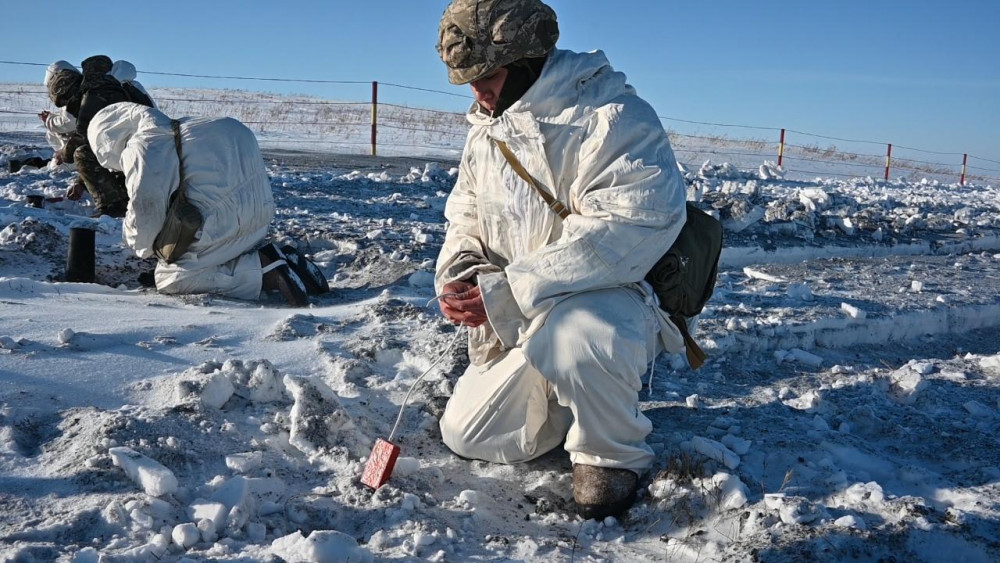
716 451
185 535
154 478
807 402
976 408
794 510
732 492
757 274
421 279
87 555
800 291
318 420
65 336
845 225
814 199
853 311
797 355
257 381
850 522
217 391
738 445
904 384
467 498
869 493
322 546
990 362
406 466
210 516
244 462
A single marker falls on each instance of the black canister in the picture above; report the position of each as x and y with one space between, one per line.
80 259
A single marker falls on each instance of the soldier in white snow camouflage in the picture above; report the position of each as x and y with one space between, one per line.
561 326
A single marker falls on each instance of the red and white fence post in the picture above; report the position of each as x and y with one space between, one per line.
965 160
888 161
374 115
781 146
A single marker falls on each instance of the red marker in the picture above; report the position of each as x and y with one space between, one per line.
383 458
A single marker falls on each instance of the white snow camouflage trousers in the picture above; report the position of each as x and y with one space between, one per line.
576 379
239 278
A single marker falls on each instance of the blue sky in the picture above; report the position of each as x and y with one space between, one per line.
917 73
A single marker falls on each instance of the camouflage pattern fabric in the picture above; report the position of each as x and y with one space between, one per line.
107 188
97 64
98 90
64 90
477 37
74 142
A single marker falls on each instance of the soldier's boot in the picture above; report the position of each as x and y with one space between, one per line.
600 492
307 270
277 275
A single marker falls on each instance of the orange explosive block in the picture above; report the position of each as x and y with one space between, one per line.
380 463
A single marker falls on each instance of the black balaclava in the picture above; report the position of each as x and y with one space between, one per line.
521 75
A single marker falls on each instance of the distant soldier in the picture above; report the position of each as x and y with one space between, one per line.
82 96
218 163
59 125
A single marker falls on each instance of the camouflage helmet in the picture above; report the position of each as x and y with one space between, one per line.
477 37
64 86
99 64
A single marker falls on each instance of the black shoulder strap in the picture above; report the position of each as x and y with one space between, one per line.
176 126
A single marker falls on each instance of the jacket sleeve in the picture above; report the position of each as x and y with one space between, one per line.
628 207
463 253
61 122
151 175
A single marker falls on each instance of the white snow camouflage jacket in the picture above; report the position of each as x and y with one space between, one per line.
223 171
59 127
60 124
585 135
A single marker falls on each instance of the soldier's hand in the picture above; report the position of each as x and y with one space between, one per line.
75 191
466 306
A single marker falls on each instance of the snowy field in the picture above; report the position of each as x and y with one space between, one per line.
848 412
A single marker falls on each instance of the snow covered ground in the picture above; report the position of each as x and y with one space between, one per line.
849 411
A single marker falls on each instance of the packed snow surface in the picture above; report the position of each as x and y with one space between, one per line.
848 411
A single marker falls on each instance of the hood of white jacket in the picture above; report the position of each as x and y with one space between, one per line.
569 80
123 71
112 128
55 68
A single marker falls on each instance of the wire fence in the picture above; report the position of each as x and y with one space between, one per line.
388 128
